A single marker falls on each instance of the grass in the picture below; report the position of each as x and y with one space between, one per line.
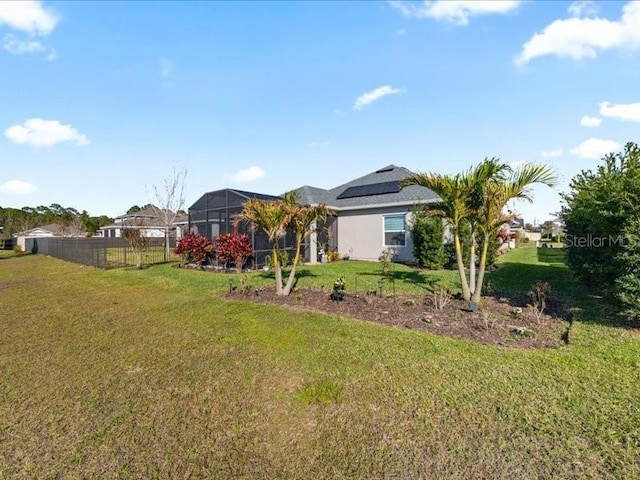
126 256
152 374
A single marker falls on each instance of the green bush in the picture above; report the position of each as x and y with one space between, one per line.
427 234
283 256
602 226
465 242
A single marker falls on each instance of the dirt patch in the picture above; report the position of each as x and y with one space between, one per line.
507 322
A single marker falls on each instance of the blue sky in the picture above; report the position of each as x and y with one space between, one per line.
101 101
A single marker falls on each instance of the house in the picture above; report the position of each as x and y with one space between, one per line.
373 213
51 230
146 220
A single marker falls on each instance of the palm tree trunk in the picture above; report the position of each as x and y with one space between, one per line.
481 269
278 271
292 273
466 293
472 263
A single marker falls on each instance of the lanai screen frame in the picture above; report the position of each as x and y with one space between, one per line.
214 214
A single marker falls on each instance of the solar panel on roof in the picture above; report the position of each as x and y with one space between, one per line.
371 189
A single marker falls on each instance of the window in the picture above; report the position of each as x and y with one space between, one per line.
394 231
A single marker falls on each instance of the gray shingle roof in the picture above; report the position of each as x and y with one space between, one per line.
407 195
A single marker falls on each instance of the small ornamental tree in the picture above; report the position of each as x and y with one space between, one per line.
138 244
194 248
233 248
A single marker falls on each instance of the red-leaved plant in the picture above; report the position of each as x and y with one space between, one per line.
233 248
503 236
194 248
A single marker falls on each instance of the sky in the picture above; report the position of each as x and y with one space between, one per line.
100 101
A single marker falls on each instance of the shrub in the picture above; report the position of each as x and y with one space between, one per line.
283 256
539 294
465 242
339 288
427 234
333 256
233 248
385 259
194 248
601 220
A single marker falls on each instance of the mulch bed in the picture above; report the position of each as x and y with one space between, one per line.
505 322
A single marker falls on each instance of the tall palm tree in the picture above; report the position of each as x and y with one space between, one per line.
478 180
302 220
478 197
273 218
454 191
270 217
505 185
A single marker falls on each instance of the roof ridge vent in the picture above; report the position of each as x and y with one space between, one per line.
388 168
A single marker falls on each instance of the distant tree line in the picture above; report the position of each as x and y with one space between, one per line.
14 220
602 224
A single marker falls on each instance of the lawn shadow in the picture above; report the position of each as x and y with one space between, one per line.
573 301
17 255
302 273
552 256
426 280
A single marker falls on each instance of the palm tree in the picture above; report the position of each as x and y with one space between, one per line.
505 185
271 218
478 197
478 180
303 220
453 191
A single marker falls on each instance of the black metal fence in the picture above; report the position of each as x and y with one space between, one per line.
102 252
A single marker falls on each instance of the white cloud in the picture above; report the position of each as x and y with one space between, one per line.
585 8
28 16
582 37
629 112
17 187
247 175
20 47
595 148
457 12
552 153
44 133
588 121
370 97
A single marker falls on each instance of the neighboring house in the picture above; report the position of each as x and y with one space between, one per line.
373 213
52 230
182 226
146 220
515 226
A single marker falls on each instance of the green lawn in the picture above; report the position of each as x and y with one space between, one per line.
126 256
151 374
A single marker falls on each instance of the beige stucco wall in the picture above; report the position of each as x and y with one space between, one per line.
361 233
